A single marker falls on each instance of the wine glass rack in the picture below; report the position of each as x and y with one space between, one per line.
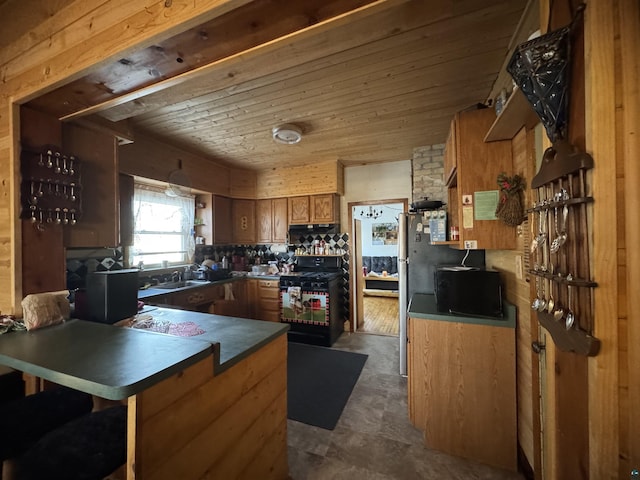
51 188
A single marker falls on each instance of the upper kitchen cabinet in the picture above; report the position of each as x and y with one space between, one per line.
325 208
450 158
244 221
299 211
472 186
271 220
314 209
214 219
97 153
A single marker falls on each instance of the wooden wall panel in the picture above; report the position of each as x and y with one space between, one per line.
64 39
316 178
150 158
43 254
517 291
629 327
600 134
196 425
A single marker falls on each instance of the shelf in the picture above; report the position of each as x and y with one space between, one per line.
448 242
517 113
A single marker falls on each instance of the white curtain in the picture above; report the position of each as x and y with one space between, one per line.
155 210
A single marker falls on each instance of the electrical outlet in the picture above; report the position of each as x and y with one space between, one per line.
471 244
519 273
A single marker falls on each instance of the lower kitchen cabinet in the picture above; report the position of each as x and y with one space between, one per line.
264 296
461 389
231 301
227 299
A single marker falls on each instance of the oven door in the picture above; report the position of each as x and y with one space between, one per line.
302 306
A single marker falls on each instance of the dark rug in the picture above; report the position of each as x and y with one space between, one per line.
320 381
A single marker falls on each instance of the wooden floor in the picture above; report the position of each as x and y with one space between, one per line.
381 315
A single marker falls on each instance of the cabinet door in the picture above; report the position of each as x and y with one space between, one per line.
478 165
264 221
126 209
98 156
279 224
252 297
244 221
299 212
450 157
221 222
324 208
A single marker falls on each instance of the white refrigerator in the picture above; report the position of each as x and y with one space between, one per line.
417 262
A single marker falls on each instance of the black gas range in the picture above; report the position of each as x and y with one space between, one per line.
311 300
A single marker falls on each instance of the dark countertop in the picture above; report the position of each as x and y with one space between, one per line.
238 337
155 292
423 306
117 362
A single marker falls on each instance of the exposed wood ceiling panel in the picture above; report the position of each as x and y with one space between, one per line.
366 87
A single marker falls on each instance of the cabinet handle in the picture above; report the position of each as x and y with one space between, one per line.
537 347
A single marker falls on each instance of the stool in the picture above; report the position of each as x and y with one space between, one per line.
87 448
25 420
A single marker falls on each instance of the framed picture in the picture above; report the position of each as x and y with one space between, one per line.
384 233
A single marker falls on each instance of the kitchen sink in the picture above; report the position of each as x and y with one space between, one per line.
181 284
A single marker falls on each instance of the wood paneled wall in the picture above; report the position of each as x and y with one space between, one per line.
628 20
316 178
513 264
195 425
48 46
151 158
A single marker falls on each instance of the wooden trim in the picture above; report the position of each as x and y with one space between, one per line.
156 21
629 19
355 268
600 134
203 72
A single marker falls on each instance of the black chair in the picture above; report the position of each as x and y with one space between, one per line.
27 419
87 448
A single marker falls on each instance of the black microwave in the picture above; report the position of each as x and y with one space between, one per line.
468 291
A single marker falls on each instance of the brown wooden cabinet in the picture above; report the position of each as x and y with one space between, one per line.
234 305
299 210
264 295
314 209
222 226
450 154
244 221
125 185
461 389
229 299
472 186
325 208
271 220
97 153
215 215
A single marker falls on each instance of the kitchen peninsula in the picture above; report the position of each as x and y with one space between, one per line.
210 404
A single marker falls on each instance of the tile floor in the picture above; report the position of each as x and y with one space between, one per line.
374 438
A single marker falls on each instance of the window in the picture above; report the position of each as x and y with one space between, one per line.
163 226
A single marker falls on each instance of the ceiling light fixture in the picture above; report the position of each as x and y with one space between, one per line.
372 213
288 134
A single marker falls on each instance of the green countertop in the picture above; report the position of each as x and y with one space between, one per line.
423 305
117 362
156 292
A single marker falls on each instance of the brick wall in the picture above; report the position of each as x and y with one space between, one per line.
428 173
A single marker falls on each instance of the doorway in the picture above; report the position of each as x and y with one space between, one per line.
376 283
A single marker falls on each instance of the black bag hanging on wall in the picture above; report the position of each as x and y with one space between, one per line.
541 68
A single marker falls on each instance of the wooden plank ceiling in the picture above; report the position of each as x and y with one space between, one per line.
367 81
